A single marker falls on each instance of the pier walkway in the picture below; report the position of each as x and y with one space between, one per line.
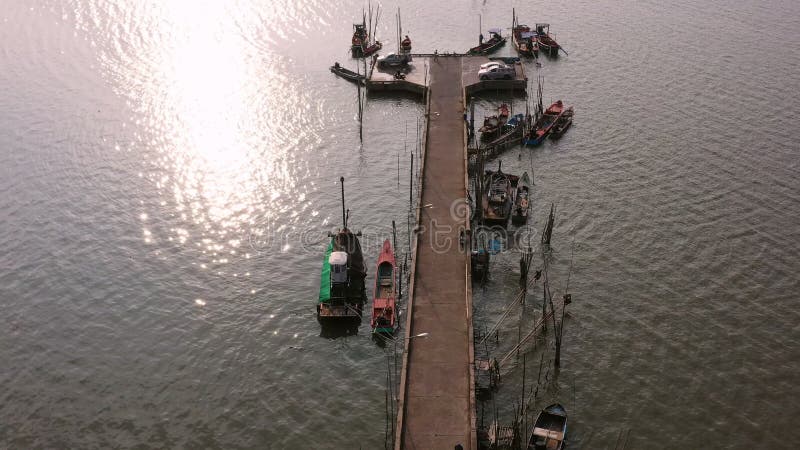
436 409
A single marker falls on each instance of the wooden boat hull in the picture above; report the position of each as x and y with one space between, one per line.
545 123
548 49
498 199
519 215
528 47
547 44
348 75
485 49
550 429
342 303
372 48
384 308
562 124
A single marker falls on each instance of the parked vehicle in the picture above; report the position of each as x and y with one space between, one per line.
394 60
498 72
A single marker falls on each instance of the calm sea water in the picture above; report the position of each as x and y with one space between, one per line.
168 171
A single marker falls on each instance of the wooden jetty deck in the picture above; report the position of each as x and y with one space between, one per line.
437 400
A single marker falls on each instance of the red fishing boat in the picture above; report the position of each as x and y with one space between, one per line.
524 39
372 48
405 45
384 310
360 39
544 124
547 43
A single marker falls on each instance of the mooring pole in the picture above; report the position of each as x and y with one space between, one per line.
411 185
472 118
394 237
344 213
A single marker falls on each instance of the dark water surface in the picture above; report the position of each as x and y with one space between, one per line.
168 171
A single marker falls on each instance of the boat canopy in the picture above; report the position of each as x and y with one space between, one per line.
495 30
542 25
528 34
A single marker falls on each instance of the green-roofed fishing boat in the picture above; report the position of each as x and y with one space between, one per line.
342 291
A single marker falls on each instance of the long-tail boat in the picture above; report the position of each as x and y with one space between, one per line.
347 74
563 122
493 44
405 45
384 311
498 197
524 39
547 44
360 39
542 126
549 429
342 291
519 215
372 48
493 125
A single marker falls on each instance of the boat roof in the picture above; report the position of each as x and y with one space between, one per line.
542 24
495 30
527 34
338 258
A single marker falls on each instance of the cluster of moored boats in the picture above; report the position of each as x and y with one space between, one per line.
503 128
343 293
552 122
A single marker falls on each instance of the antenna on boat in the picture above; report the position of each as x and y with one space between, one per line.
344 213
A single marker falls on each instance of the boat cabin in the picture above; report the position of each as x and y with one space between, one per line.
543 28
339 278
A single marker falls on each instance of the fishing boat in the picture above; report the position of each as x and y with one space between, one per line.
493 44
544 124
373 48
405 45
547 44
561 125
549 429
519 215
347 74
498 198
510 132
360 39
342 291
384 313
524 39
479 261
492 125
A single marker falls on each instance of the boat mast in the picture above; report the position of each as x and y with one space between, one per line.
480 28
344 213
399 30
513 20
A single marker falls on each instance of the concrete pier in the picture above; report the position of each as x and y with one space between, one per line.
418 76
437 401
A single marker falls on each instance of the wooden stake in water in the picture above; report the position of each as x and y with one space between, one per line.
344 212
411 184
